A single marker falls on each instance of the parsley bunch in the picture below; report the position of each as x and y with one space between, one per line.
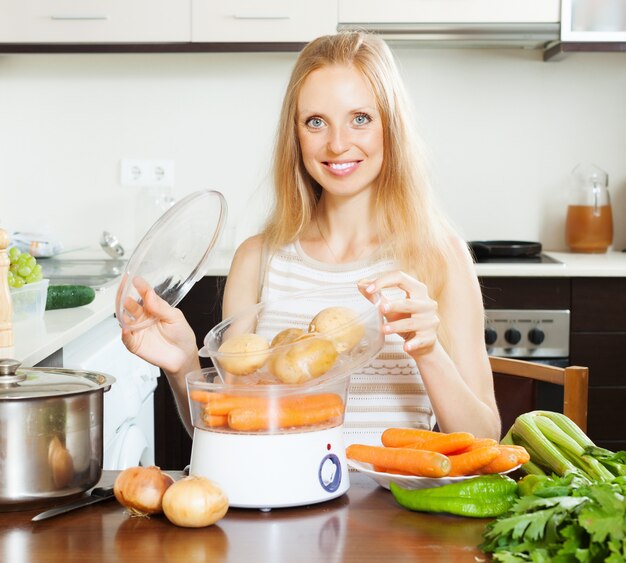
565 521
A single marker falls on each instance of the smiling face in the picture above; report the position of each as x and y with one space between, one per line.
340 130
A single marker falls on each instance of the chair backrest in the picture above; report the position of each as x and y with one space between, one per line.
516 389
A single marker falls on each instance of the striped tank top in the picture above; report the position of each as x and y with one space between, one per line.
388 392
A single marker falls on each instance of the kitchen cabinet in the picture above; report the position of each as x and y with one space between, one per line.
268 21
450 11
598 340
97 21
202 307
597 337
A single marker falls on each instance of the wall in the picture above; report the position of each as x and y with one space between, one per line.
503 129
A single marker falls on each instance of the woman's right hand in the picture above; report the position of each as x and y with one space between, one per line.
168 342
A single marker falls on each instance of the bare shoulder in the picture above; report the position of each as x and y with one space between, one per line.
242 283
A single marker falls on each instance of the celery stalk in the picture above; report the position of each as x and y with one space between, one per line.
568 426
559 438
546 454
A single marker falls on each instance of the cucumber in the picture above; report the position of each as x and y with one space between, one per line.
67 296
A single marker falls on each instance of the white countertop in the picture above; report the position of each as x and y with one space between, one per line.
571 265
35 340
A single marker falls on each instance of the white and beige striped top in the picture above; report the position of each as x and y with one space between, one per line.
389 391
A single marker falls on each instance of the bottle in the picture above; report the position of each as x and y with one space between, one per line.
589 223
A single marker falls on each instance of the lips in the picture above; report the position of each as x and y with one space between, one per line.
342 168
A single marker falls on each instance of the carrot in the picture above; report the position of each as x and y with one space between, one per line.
468 463
416 462
254 419
311 401
504 461
447 443
478 443
520 451
214 420
400 437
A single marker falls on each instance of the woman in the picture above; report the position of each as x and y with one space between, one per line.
353 205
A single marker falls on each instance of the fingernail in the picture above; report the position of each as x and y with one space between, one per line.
386 328
370 288
386 308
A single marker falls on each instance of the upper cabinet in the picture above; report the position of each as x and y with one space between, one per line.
459 23
449 11
95 21
253 21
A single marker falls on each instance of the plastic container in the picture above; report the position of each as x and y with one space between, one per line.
245 348
265 409
29 301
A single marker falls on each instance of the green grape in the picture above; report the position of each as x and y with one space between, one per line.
14 267
24 271
14 253
22 259
18 282
11 278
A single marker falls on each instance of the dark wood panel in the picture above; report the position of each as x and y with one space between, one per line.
222 47
606 414
598 304
202 308
525 293
603 354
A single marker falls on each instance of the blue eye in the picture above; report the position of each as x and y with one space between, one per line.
315 122
362 119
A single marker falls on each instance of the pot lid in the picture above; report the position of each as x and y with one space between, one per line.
41 382
173 254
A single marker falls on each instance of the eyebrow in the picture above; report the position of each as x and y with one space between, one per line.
361 109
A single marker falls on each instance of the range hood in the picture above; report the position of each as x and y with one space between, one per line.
464 35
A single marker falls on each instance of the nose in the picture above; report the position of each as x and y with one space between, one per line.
338 140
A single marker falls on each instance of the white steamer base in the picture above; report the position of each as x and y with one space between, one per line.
273 470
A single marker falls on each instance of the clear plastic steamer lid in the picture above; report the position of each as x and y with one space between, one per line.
172 256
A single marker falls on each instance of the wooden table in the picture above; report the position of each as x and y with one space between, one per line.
363 525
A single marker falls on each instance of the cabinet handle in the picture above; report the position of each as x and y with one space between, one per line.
80 18
260 17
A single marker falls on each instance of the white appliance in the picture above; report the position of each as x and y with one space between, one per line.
273 470
129 403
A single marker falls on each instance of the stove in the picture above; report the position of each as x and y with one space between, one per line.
540 258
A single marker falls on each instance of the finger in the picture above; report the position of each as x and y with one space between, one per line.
397 279
419 343
407 306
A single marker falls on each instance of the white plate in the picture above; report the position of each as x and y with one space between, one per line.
407 481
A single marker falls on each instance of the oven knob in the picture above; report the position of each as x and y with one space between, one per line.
536 336
512 336
490 336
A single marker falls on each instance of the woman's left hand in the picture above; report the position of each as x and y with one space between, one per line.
413 317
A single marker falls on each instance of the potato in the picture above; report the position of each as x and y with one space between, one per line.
331 319
286 336
308 357
251 352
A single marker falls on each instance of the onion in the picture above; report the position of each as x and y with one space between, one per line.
141 489
194 502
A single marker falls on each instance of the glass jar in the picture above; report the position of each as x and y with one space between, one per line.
589 223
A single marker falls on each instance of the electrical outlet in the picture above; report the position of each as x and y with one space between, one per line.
142 173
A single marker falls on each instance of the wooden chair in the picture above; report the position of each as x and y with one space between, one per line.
516 389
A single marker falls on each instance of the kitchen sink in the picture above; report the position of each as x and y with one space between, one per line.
96 273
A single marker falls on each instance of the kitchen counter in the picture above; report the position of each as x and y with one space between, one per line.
365 524
36 339
571 265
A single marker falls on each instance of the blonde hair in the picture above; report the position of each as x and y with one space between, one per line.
406 211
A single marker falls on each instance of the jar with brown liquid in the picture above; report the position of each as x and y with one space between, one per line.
589 223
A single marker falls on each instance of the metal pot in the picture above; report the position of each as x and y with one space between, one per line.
51 433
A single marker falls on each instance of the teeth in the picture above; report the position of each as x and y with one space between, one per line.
340 165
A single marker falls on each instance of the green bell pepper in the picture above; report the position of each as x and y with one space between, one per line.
486 496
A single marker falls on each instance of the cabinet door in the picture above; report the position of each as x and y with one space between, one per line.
268 21
449 11
95 21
